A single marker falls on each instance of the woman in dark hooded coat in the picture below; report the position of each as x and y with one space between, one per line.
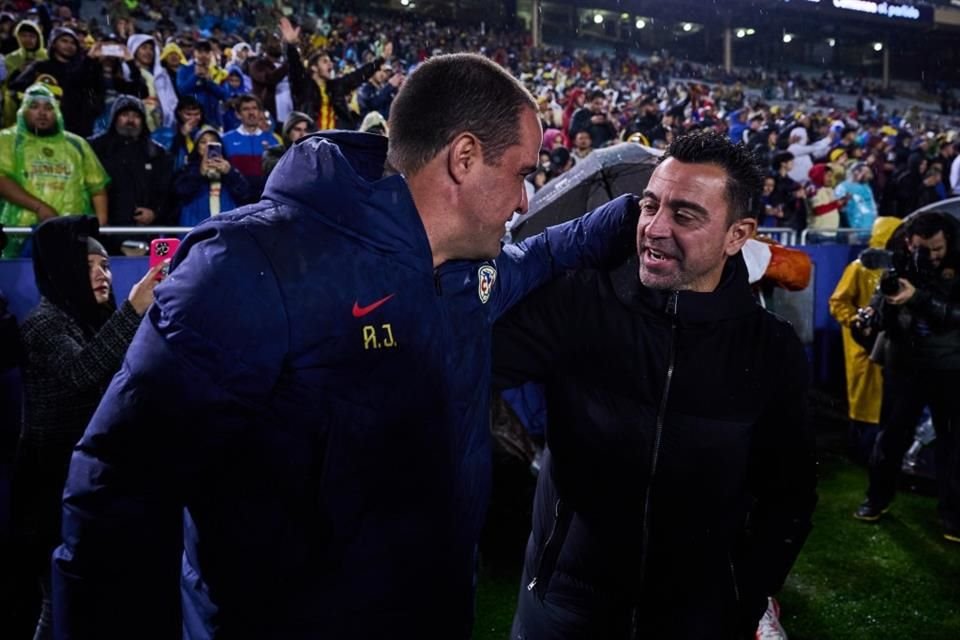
74 342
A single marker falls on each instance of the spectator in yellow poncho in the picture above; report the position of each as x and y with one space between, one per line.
46 171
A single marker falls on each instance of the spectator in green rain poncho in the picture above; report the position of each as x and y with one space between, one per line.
46 171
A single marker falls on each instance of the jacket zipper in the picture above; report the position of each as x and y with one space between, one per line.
546 546
733 575
670 310
436 282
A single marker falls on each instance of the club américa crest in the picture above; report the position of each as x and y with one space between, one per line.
486 276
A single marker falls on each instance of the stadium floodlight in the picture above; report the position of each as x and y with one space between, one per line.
832 42
787 38
687 26
597 18
405 2
741 33
750 32
878 46
640 23
625 17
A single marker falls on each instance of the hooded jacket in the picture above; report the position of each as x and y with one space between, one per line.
804 154
80 79
20 58
155 81
861 208
72 347
209 91
332 445
674 416
15 61
194 190
141 171
824 205
855 289
8 43
61 169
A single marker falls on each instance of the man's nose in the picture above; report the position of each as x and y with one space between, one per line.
659 226
524 205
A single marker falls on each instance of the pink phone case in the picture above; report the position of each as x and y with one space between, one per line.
162 249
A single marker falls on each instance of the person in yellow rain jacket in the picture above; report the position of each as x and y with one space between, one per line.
864 377
46 171
32 48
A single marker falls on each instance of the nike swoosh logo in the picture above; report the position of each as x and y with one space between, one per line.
359 312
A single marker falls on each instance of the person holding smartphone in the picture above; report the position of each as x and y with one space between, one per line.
208 184
73 343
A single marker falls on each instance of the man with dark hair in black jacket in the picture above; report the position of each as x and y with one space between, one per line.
679 481
921 364
315 91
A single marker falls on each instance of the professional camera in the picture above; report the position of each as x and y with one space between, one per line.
913 266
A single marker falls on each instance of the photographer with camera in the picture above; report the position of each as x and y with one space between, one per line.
918 309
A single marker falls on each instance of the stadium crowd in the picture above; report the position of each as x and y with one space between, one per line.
160 113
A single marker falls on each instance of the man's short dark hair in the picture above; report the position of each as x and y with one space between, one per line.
248 97
597 93
780 158
315 57
930 223
204 45
449 95
744 178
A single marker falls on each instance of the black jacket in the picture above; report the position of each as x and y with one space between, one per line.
306 93
682 475
73 347
141 172
924 333
82 83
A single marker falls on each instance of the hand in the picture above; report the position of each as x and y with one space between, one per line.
141 295
144 216
201 71
94 51
45 212
220 164
598 118
396 80
289 33
904 294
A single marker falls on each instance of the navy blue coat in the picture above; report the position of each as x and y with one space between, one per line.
316 395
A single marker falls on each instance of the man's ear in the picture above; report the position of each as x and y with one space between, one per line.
738 234
464 153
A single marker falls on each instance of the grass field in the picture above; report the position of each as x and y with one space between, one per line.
897 579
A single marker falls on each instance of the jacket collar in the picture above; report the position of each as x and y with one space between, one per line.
732 298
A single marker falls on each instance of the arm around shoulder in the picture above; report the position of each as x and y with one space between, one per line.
602 238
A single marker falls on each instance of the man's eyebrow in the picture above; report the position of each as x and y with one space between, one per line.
528 169
698 209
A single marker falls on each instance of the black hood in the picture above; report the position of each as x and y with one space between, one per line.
60 268
126 102
63 32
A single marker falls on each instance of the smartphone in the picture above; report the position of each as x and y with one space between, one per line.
162 249
112 51
214 151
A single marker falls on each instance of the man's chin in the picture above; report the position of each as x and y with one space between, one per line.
653 280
